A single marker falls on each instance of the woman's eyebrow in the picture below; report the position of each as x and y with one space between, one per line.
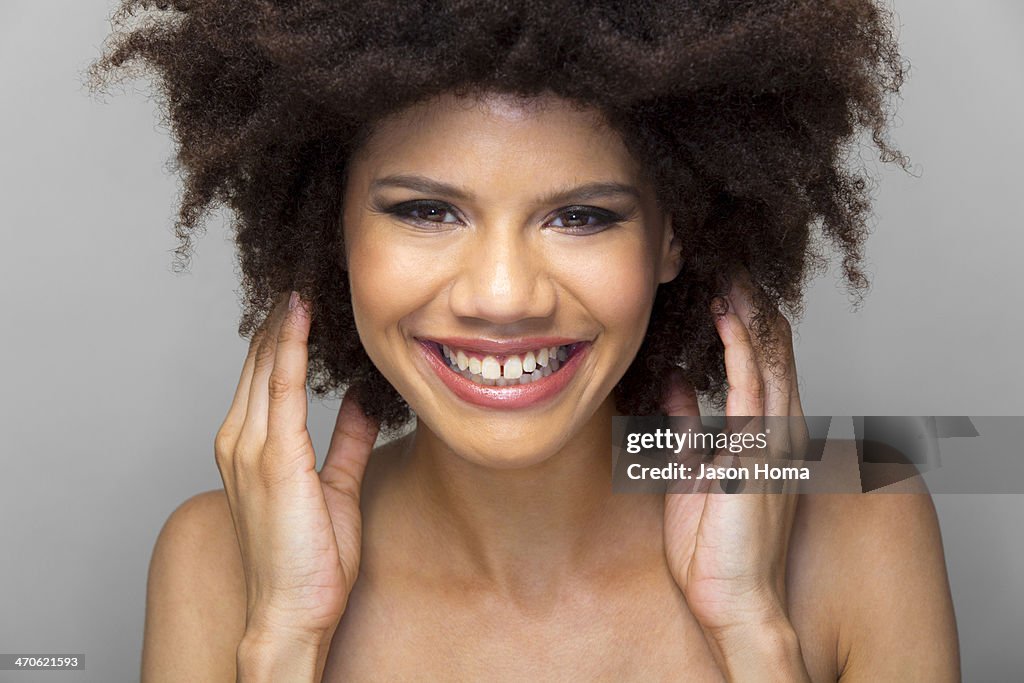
591 191
420 184
427 185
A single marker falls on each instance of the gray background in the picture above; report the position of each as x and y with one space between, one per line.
117 372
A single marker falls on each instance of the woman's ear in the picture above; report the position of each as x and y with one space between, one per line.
671 252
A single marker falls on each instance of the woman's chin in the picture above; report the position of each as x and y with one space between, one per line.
504 451
514 440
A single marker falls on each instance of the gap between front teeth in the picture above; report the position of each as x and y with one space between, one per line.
518 369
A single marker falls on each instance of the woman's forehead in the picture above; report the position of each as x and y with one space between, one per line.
481 130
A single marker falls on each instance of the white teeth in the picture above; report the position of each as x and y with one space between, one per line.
513 368
517 369
529 362
490 368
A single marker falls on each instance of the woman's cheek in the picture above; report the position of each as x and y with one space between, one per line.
391 282
375 282
616 283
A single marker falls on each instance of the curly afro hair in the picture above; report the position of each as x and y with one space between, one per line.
741 112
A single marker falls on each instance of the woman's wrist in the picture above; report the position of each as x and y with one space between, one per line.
762 651
280 655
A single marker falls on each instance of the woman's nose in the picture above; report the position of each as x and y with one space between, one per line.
503 277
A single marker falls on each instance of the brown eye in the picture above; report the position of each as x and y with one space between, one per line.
421 212
434 213
584 219
572 219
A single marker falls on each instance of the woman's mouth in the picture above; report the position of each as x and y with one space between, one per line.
502 370
502 379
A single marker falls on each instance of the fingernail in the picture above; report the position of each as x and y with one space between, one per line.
719 305
293 300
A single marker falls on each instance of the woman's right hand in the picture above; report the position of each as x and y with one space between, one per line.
299 531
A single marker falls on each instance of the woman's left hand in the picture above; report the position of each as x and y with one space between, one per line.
727 552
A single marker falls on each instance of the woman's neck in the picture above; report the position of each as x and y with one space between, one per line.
525 530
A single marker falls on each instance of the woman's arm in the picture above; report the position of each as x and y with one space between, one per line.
195 599
897 623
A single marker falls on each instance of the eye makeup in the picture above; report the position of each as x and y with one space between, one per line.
594 219
431 214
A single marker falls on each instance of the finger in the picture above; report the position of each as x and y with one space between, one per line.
230 428
286 386
746 390
778 388
789 433
800 436
680 398
740 299
775 363
777 375
741 296
350 447
254 428
795 406
680 402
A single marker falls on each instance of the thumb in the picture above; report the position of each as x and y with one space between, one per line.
350 448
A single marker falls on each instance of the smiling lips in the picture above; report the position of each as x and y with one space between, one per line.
503 374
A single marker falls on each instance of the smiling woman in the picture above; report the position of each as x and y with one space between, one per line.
503 236
737 113
520 232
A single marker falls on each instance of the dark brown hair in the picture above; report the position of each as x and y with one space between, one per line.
741 112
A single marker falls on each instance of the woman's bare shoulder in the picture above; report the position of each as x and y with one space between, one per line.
877 565
195 597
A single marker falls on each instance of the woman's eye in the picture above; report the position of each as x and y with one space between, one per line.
584 219
426 212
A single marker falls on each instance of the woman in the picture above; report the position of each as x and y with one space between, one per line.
520 231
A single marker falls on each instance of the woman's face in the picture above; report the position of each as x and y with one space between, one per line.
482 232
